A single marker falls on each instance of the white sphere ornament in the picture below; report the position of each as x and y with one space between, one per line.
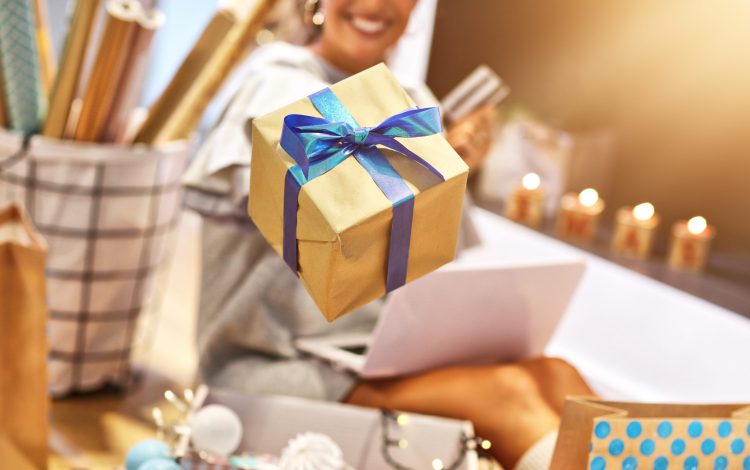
216 429
312 451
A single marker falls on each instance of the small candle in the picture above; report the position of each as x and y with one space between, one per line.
691 242
526 201
635 230
579 215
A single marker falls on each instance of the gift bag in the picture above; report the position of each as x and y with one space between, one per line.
24 402
108 214
356 228
601 435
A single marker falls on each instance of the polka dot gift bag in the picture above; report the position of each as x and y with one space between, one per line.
603 435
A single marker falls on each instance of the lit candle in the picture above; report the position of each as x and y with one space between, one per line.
526 201
691 241
579 215
635 230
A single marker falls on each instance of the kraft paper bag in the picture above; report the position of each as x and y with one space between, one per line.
343 217
24 403
601 435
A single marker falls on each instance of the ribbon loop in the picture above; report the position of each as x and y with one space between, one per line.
318 145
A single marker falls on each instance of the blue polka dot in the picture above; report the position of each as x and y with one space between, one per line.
737 446
598 463
721 463
661 463
748 429
678 447
648 447
708 447
616 447
691 463
725 429
602 430
695 429
630 463
664 430
634 429
746 464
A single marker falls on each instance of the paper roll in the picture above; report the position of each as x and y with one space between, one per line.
3 121
71 63
114 48
44 45
23 98
131 80
166 105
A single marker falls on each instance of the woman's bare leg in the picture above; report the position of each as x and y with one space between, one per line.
512 405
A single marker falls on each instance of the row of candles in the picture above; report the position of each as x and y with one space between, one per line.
635 227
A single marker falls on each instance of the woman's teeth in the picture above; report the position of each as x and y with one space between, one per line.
368 26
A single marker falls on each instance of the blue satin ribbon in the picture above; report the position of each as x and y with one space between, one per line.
318 145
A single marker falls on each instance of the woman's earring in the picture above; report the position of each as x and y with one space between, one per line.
313 15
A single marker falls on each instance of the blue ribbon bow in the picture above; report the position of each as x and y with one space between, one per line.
318 145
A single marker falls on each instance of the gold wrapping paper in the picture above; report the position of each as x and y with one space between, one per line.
343 218
44 45
131 81
178 112
71 63
114 48
197 60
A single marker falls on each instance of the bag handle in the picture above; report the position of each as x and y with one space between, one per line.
11 160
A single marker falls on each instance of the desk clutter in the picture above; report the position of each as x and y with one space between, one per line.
98 175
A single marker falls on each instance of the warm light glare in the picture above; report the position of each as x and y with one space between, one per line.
588 197
643 211
402 420
697 225
531 181
486 444
437 464
403 444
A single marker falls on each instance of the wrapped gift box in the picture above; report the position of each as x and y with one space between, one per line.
344 250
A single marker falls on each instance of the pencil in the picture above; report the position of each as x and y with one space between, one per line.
131 81
71 62
160 113
99 94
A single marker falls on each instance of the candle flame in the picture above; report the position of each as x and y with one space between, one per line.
531 181
643 211
588 197
697 225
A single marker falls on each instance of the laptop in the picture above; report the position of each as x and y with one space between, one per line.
464 313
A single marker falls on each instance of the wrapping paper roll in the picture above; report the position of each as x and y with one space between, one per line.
44 45
131 81
22 87
71 64
109 65
191 94
198 58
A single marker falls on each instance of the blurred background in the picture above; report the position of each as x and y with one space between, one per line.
665 84
656 95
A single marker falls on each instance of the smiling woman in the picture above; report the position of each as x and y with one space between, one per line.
253 308
358 34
